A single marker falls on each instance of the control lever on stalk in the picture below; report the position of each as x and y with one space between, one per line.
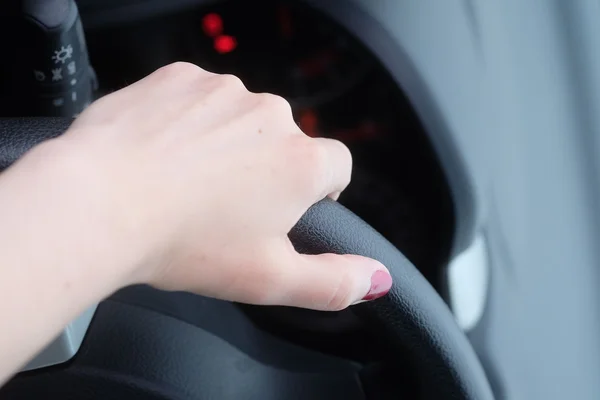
45 64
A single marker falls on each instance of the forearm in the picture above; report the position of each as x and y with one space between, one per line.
51 268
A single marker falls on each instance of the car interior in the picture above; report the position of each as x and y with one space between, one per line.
474 130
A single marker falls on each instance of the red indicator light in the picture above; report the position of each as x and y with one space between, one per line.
212 24
225 44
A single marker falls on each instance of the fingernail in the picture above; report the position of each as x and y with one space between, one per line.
381 282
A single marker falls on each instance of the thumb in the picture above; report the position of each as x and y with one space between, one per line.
331 282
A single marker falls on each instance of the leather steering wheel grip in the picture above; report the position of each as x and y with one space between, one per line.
411 318
18 135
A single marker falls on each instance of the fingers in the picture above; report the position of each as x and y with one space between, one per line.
317 167
337 168
327 282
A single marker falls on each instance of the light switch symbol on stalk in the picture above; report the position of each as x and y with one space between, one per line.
39 75
52 72
61 55
71 68
56 74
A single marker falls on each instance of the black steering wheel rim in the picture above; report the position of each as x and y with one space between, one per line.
413 319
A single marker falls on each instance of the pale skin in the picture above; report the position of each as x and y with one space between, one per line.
185 181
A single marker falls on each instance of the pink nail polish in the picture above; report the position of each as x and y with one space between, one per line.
381 282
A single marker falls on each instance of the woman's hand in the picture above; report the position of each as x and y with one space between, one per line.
201 181
183 180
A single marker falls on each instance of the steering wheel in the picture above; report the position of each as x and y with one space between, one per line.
412 320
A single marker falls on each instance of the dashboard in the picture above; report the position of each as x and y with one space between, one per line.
336 87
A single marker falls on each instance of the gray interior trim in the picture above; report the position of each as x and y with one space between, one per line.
66 345
389 32
468 278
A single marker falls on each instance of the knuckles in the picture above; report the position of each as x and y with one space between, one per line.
230 82
274 105
178 71
185 72
341 297
343 289
310 157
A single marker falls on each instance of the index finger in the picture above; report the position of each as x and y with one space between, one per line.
338 167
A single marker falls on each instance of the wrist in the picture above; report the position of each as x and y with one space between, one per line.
55 216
